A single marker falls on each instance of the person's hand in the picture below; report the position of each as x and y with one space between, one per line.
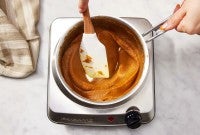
83 5
186 18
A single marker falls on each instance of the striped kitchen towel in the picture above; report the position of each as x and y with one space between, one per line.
19 38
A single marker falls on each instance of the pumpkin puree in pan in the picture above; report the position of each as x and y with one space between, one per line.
125 60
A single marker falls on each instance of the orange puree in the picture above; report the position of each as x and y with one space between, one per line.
125 61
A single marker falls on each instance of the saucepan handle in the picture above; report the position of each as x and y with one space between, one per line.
157 31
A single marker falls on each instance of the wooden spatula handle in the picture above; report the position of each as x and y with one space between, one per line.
88 26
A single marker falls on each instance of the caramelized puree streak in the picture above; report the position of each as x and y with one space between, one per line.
88 59
129 60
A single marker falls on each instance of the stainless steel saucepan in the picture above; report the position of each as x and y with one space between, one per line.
76 30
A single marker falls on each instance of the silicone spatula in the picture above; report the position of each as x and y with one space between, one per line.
92 52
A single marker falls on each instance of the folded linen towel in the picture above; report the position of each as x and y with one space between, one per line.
19 39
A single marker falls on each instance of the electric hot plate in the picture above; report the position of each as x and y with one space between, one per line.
138 110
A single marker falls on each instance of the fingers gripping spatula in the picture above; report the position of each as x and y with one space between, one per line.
92 52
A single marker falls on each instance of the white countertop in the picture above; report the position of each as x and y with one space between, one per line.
177 69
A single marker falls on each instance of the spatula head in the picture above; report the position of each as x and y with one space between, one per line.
93 57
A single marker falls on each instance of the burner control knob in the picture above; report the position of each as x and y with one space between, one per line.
133 117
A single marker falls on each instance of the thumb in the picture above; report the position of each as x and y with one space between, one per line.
173 21
83 5
178 6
